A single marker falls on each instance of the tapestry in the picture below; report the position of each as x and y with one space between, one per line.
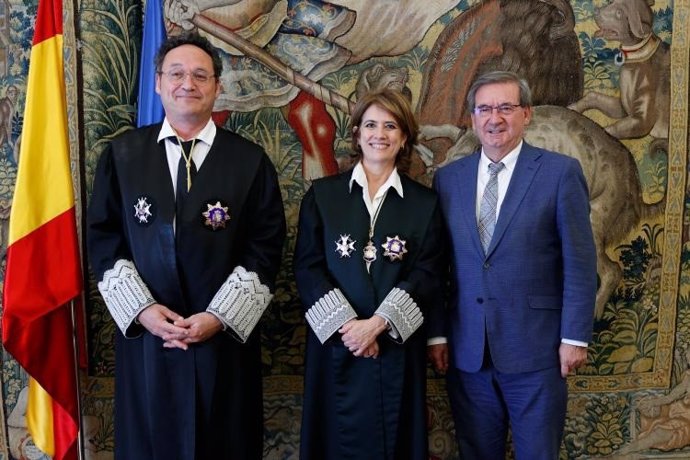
292 93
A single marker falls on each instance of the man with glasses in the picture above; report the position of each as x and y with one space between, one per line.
185 234
523 280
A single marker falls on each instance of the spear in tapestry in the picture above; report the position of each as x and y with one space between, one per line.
249 49
318 156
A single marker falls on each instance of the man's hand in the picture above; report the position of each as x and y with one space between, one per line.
359 334
200 327
175 330
438 355
159 320
571 357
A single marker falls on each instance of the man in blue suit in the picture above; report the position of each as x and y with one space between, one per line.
523 280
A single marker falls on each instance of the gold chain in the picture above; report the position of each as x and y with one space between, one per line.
187 160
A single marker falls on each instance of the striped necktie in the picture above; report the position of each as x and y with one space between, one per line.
487 208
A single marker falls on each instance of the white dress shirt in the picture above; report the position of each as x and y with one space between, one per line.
359 176
173 151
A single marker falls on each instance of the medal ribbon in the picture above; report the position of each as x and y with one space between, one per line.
370 248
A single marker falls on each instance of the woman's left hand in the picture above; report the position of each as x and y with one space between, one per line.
359 334
372 351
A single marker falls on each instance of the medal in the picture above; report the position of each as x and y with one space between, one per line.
394 248
216 215
142 210
369 252
345 246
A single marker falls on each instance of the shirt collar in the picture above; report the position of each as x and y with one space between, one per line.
508 161
359 176
206 135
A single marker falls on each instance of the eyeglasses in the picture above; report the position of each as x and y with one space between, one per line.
178 76
503 109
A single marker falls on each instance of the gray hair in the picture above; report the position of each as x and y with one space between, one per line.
500 76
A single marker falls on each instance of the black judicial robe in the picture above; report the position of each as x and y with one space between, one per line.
364 408
206 402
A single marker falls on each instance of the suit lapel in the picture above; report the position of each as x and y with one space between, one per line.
466 178
526 167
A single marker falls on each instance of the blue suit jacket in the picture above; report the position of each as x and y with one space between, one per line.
537 283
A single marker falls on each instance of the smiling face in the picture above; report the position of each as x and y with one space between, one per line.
187 101
499 134
380 137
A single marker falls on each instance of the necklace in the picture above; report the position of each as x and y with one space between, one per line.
370 249
187 160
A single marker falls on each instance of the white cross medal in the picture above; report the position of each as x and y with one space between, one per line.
345 246
394 248
142 210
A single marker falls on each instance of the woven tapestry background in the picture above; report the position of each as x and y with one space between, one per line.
629 400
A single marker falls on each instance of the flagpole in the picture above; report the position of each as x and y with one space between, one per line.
75 344
70 13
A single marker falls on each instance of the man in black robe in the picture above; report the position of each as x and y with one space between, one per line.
185 240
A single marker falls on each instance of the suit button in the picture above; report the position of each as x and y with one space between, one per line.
480 300
487 264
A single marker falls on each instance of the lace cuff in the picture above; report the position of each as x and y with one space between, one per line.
402 313
240 302
329 313
125 293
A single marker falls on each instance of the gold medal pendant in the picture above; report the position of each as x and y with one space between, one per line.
369 252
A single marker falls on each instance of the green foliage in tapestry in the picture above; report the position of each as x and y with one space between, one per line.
625 338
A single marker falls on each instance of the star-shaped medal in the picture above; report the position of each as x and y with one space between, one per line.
394 248
216 215
345 246
142 210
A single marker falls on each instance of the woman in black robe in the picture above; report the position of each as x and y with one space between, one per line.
368 263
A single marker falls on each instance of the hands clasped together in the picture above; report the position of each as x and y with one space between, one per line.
177 331
359 336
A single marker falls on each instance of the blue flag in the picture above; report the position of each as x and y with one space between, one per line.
150 109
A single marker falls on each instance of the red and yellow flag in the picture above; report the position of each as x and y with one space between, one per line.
43 264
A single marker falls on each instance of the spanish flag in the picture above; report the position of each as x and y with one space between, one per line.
43 264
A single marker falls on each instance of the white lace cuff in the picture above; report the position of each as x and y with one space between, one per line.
125 293
329 313
402 313
240 302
